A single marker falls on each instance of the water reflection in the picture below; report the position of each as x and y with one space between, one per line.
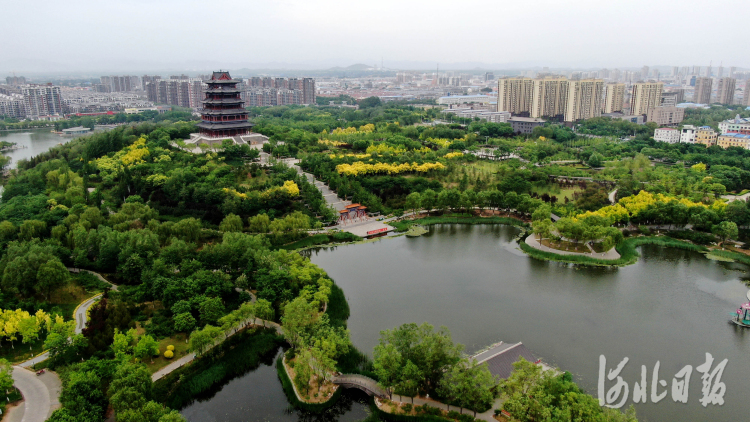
258 396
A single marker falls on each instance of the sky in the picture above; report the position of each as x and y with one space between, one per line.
119 35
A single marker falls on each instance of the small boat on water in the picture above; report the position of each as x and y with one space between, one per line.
742 316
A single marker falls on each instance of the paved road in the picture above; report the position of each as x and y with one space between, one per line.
40 392
735 197
613 196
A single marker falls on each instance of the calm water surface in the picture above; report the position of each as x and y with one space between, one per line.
259 397
672 306
36 141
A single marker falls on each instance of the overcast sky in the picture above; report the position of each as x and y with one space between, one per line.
81 35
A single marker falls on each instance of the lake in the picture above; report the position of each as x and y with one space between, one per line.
36 142
672 306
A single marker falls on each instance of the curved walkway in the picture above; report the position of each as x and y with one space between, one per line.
366 384
41 393
534 243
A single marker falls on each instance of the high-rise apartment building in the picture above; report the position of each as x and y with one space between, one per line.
725 90
145 79
644 72
15 80
42 100
549 97
120 83
584 99
515 95
179 92
614 97
645 96
263 92
702 93
746 94
12 105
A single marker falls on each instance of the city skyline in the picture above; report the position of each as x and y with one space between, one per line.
166 35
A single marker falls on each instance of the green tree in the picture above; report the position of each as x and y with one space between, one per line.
725 230
413 201
470 385
429 200
51 275
146 347
264 310
184 322
211 309
231 223
6 375
31 229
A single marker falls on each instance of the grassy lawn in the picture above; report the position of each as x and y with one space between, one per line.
19 352
599 248
180 350
556 190
566 246
67 298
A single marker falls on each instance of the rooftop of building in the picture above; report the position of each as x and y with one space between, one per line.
526 119
667 128
735 135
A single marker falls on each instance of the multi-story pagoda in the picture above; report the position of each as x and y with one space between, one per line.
223 113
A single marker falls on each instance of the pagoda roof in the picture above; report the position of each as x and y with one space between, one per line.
224 111
225 125
223 101
222 82
222 90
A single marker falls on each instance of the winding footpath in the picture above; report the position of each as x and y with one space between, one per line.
41 393
611 254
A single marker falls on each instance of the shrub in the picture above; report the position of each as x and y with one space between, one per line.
454 414
170 348
406 407
169 354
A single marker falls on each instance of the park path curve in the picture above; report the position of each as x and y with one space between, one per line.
79 315
534 243
41 395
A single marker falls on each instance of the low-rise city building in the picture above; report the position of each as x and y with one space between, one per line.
733 140
666 115
706 135
687 134
738 124
667 134
466 99
525 124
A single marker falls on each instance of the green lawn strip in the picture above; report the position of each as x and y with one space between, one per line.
734 256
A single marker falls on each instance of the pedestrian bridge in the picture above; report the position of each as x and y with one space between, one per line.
366 384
